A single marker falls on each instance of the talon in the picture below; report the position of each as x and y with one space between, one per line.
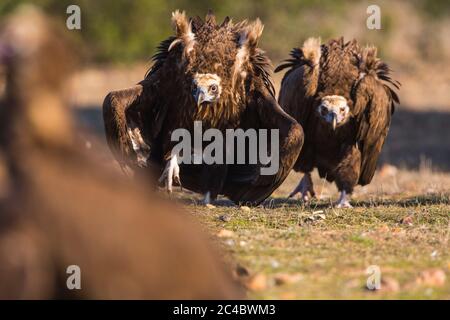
346 205
177 181
141 148
171 174
305 188
343 201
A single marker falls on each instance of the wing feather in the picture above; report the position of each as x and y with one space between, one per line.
133 117
299 84
262 66
293 97
375 101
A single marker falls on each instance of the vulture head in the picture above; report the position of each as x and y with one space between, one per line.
333 110
213 60
206 88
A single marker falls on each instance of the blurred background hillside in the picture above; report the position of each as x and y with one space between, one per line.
118 38
126 31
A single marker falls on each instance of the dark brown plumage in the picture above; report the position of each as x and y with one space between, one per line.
173 95
59 207
342 96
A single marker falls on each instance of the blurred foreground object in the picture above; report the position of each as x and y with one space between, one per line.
60 208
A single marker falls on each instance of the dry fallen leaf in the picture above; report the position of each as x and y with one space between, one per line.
286 278
210 206
408 220
398 231
315 217
245 208
224 218
257 282
431 277
225 233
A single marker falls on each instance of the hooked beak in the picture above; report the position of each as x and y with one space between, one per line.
333 121
199 97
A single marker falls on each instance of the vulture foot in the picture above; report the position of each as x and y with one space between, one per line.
207 198
141 148
305 188
171 174
343 201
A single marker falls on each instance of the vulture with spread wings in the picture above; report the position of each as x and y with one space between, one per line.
342 96
208 72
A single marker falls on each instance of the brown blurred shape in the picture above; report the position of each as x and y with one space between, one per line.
61 208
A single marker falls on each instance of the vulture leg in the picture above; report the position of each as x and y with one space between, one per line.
347 174
305 188
343 201
171 174
207 198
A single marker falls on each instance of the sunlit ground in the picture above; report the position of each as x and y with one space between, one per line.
289 250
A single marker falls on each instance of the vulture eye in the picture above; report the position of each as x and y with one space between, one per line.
213 88
342 109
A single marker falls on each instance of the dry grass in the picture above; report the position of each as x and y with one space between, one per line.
322 252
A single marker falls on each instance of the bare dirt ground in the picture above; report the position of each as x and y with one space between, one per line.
286 249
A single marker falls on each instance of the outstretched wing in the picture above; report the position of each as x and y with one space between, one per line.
133 117
374 105
246 183
126 115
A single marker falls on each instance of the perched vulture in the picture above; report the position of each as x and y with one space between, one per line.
59 207
342 96
208 72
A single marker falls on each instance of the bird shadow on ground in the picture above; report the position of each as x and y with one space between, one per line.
425 200
189 198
